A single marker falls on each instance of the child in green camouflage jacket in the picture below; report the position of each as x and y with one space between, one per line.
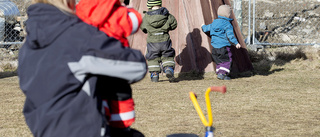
157 23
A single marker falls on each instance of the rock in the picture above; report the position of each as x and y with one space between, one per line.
308 31
285 37
268 14
316 46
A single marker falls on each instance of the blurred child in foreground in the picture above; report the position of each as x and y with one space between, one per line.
117 21
63 68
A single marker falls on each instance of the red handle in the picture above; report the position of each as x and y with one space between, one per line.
221 89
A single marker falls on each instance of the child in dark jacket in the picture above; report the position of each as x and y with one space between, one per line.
118 21
157 23
222 38
63 64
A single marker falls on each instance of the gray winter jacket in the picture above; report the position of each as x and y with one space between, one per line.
59 66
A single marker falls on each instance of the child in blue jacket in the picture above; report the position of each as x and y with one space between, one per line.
222 38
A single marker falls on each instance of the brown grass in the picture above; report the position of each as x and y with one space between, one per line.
281 99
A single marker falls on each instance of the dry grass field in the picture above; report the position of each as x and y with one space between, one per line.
281 99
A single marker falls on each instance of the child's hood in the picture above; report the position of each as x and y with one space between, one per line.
46 23
225 18
224 10
157 18
96 12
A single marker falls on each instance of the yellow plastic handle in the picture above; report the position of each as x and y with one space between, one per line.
209 107
193 98
198 109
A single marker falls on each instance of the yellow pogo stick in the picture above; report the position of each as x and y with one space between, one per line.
208 124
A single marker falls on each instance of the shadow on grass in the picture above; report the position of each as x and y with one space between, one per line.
194 58
8 74
263 62
192 75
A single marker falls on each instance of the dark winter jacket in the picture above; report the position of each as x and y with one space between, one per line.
157 23
221 32
59 65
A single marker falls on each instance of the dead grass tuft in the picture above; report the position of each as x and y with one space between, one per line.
295 57
8 60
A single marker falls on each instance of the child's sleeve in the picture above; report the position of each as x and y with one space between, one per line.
107 57
230 34
143 26
173 22
135 19
205 28
123 22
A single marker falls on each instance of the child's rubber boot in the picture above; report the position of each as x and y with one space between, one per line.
169 73
223 77
154 76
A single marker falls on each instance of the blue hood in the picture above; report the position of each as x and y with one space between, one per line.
222 17
42 28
